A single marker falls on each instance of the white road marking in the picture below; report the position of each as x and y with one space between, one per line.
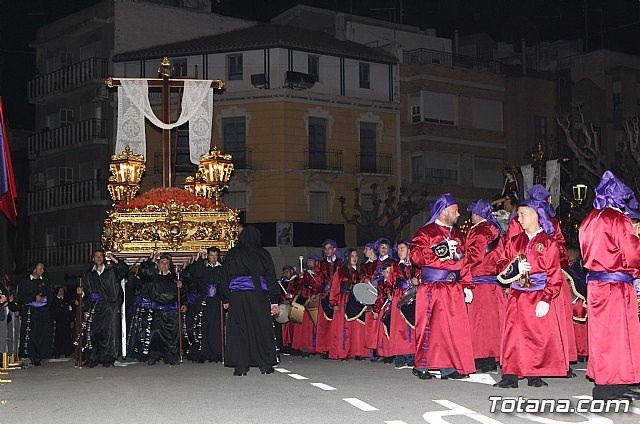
479 378
395 422
282 370
323 386
436 417
364 406
297 376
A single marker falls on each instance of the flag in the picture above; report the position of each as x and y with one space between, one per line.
8 192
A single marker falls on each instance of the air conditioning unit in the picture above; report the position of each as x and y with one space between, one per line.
298 80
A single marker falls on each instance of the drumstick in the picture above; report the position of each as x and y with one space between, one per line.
301 258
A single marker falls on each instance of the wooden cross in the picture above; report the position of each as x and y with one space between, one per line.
166 83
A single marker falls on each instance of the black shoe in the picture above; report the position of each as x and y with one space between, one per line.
454 376
325 356
570 373
305 354
152 361
267 370
537 382
240 371
91 364
388 360
422 374
630 395
507 383
107 364
487 368
36 363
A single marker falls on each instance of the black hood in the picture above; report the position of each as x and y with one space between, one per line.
250 237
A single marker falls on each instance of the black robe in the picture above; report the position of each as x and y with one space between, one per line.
61 317
204 340
103 319
250 335
35 331
163 326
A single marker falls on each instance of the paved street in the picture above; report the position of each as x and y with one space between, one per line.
301 391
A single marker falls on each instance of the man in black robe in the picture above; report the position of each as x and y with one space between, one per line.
36 330
160 291
61 318
102 299
204 315
249 282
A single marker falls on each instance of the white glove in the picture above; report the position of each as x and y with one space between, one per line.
468 295
453 247
542 309
523 266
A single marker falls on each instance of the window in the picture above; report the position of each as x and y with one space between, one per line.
66 59
365 75
234 132
617 95
366 201
234 67
318 206
317 143
180 68
313 66
65 235
414 108
368 147
486 114
66 117
417 169
65 175
487 172
49 237
540 130
439 108
435 168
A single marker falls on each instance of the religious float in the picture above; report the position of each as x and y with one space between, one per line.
169 219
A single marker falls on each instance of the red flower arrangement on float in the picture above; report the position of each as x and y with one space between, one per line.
161 197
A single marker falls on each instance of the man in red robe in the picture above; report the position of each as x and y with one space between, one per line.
534 339
489 301
325 269
442 326
306 288
611 252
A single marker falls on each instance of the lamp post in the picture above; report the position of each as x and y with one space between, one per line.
126 169
538 160
579 192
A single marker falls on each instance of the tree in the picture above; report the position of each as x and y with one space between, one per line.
386 217
591 159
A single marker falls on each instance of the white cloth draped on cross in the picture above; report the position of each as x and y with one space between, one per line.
134 107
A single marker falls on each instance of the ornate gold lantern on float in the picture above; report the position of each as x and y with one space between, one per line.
126 169
181 222
216 168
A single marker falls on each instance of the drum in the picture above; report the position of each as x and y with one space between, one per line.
312 309
283 315
296 314
365 293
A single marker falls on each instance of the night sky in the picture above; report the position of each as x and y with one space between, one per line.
613 24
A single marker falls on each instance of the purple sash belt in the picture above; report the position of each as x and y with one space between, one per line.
146 303
210 290
172 307
97 297
245 283
485 279
433 275
403 284
610 277
38 304
192 297
538 282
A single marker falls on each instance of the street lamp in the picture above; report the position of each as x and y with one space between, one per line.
579 192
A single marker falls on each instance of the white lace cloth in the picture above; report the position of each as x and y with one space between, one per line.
134 107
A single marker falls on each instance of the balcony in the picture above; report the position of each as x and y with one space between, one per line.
323 159
63 255
81 193
73 135
69 77
372 163
436 57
